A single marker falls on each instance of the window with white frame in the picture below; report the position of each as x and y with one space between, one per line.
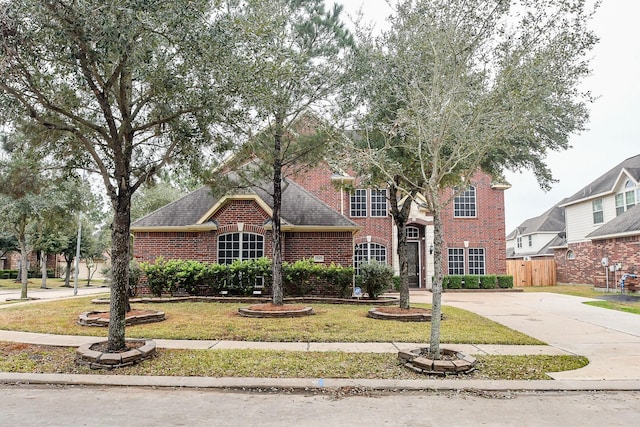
239 246
412 233
456 261
379 202
627 199
464 204
530 240
519 242
476 261
359 203
365 252
619 203
598 213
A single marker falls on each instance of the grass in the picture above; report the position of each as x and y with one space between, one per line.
220 321
52 283
277 364
631 307
587 291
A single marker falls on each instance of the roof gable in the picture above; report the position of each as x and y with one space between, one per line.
607 183
299 209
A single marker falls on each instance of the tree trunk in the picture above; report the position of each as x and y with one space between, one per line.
67 273
120 270
276 232
436 309
24 259
43 269
404 265
400 216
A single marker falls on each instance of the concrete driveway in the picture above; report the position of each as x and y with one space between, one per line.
610 339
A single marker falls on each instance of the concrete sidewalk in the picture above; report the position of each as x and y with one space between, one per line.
610 339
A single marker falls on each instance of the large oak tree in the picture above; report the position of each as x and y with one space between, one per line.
455 86
294 54
123 88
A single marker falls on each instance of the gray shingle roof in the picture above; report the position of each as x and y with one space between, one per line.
627 223
551 221
299 208
186 210
606 182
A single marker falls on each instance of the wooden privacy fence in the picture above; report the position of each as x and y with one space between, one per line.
538 272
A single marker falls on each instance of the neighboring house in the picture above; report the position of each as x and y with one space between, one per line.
602 228
536 237
325 221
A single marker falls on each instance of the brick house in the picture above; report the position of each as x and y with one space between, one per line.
324 221
602 228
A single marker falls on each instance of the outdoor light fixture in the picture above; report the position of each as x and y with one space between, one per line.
431 250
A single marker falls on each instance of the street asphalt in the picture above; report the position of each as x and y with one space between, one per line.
609 339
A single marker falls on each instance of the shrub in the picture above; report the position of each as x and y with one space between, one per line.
8 274
396 283
471 282
454 282
505 282
243 277
488 281
376 278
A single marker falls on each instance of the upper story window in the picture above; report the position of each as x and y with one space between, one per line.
627 199
239 246
530 241
598 213
464 204
412 233
378 202
358 203
519 241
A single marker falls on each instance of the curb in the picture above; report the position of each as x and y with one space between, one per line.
317 384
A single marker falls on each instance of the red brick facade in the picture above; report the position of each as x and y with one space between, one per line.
582 262
485 230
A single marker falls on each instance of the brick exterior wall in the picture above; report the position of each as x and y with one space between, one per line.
586 267
486 230
335 247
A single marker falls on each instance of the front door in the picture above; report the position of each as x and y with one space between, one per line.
413 255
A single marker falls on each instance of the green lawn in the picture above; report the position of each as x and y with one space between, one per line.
277 364
220 321
54 283
587 291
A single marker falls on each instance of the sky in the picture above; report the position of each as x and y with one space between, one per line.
613 131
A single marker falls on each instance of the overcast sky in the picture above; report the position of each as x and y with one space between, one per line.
614 128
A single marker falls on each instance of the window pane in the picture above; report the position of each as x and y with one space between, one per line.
412 233
476 261
598 215
378 202
456 261
366 252
359 203
630 196
464 205
619 204
229 247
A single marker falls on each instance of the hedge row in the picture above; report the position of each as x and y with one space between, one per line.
489 281
301 278
31 274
